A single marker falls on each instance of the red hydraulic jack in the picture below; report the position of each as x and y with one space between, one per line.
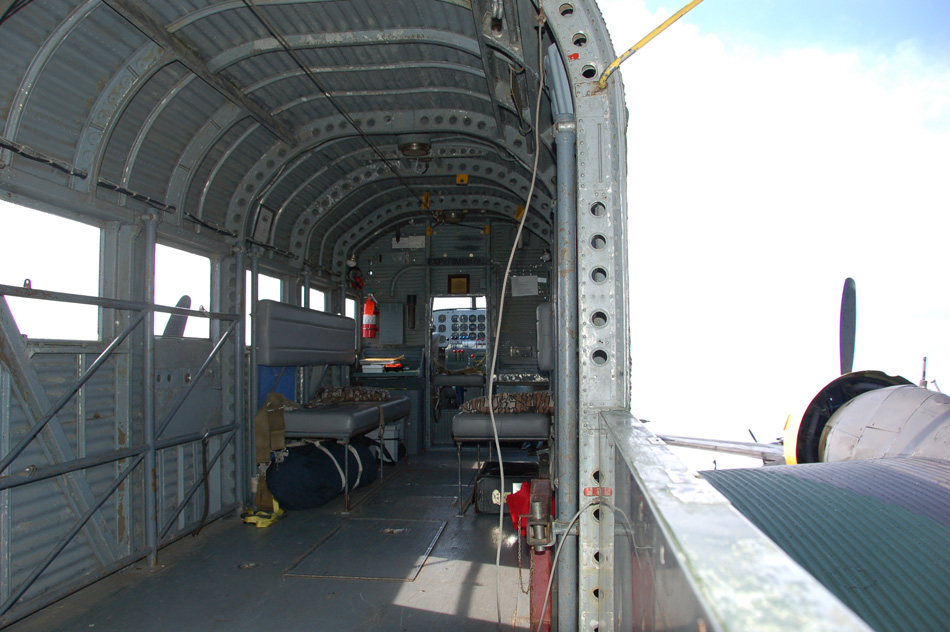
539 537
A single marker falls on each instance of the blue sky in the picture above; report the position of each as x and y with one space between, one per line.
774 149
832 24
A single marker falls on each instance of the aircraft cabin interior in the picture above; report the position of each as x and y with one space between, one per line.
350 347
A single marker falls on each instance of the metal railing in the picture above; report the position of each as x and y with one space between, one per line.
67 468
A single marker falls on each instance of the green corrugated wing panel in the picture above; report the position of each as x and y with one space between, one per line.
887 562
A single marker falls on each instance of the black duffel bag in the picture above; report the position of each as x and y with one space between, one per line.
312 474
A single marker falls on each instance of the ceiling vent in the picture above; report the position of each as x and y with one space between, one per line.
453 217
414 146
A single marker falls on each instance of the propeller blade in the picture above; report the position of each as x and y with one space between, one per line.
175 327
846 331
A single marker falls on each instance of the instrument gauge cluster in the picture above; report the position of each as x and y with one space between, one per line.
468 329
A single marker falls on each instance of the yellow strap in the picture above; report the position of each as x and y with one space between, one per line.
264 519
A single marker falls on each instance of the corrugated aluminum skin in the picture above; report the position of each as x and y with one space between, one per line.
177 361
229 169
874 532
201 182
129 124
170 134
25 39
60 94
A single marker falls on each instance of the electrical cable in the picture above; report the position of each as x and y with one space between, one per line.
501 307
609 70
9 8
333 101
32 154
599 502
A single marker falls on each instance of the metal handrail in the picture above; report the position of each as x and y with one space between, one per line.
110 303
34 474
142 453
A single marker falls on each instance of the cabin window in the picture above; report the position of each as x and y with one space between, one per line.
349 308
458 302
318 299
33 249
182 277
268 288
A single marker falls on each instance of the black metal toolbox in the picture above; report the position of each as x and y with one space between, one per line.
488 481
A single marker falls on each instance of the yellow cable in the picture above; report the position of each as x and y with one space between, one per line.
646 40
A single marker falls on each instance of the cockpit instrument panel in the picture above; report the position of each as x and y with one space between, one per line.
468 330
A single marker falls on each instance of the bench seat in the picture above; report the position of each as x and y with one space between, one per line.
343 421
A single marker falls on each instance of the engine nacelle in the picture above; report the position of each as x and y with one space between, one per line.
894 421
804 445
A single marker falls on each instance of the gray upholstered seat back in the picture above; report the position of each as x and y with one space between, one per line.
546 348
296 336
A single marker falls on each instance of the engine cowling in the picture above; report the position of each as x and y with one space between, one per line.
803 445
894 421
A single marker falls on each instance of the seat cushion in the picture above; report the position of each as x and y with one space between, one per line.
521 426
342 421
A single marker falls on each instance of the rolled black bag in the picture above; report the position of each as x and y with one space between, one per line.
312 474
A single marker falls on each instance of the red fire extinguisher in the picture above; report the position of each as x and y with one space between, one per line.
370 315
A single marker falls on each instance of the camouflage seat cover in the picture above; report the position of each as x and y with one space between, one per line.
534 402
338 394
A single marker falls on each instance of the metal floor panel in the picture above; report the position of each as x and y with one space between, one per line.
375 549
419 507
231 577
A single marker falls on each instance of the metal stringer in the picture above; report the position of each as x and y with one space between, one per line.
603 349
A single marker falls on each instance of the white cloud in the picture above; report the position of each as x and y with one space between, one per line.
757 182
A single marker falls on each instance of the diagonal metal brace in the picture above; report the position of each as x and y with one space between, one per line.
194 382
68 395
64 542
53 441
170 520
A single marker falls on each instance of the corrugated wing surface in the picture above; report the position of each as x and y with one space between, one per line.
875 533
